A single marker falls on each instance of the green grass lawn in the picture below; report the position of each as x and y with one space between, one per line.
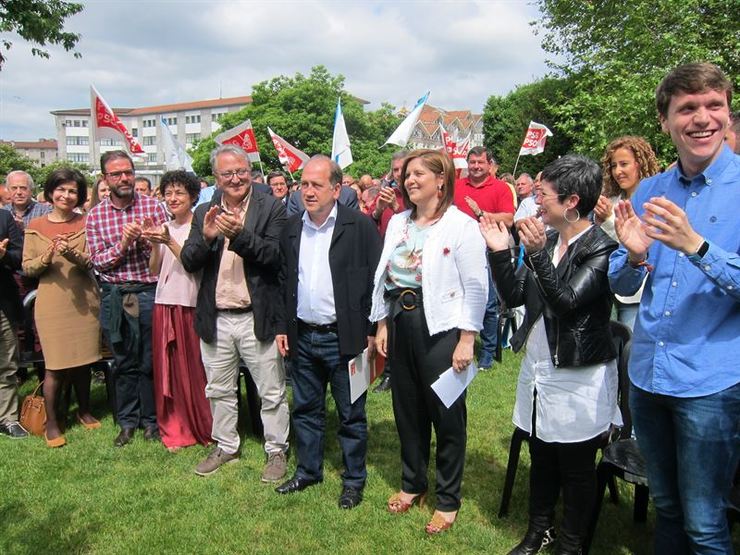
90 497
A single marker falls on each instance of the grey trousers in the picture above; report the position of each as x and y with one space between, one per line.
8 369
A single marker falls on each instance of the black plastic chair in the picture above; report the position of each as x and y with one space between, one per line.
621 336
621 459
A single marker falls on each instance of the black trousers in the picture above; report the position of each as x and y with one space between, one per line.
572 467
418 360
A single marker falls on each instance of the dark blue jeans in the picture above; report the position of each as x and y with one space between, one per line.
132 365
691 446
489 333
317 364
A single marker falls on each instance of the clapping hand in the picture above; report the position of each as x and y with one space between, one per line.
496 234
532 234
631 231
210 230
386 197
473 205
4 247
131 232
159 235
603 210
664 221
229 224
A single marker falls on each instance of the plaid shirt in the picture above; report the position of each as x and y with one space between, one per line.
104 233
33 210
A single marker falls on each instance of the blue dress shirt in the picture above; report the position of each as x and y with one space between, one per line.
687 335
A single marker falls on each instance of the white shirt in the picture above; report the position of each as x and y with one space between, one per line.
315 289
573 404
527 207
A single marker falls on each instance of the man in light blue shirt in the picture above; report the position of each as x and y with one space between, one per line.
682 227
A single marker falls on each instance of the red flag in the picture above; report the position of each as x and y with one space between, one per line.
106 125
242 136
290 157
535 139
447 142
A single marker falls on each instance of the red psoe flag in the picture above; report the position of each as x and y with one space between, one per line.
535 139
290 157
242 136
449 144
106 125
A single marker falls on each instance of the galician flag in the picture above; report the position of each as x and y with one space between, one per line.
175 155
106 125
402 133
290 157
340 151
242 136
535 139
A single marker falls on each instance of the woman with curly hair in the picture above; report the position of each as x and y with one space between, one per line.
626 161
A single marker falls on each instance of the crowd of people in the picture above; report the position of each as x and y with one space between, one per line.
190 281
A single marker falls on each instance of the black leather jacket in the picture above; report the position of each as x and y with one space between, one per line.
574 298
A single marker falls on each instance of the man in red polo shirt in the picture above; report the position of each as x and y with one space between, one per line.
475 194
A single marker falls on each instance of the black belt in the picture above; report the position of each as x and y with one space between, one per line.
240 310
407 299
321 328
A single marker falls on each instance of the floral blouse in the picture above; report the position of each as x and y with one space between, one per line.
404 267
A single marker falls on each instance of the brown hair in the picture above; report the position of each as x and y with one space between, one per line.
439 163
691 79
641 150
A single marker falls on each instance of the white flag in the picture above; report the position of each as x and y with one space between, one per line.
340 150
402 133
535 139
175 156
104 124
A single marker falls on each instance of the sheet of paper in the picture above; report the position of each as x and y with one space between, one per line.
450 385
359 376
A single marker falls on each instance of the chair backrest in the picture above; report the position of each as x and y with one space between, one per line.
622 338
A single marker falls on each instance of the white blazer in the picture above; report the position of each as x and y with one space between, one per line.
454 279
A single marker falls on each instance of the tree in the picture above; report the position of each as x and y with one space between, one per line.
617 54
301 109
11 160
506 118
40 22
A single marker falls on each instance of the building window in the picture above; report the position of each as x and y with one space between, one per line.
109 142
152 157
192 119
68 123
134 132
149 123
78 157
78 140
42 154
217 117
171 121
84 123
150 140
190 138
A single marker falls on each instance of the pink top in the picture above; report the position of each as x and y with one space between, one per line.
175 285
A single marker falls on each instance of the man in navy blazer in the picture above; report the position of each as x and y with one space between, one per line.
328 259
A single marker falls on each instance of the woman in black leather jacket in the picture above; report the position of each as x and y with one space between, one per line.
567 390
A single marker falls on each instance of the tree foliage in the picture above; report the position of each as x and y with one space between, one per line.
616 54
301 110
506 118
11 160
39 22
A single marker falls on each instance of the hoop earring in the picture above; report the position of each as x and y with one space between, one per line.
439 191
565 216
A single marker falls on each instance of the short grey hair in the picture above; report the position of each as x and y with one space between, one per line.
228 149
529 177
335 172
29 179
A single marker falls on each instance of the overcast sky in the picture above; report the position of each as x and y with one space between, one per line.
149 52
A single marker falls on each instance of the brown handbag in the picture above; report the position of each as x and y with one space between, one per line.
33 413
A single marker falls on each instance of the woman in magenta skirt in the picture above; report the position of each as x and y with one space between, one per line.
183 412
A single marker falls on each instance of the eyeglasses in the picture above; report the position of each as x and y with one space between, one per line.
241 172
115 176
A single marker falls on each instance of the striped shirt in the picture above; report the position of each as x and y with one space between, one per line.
104 233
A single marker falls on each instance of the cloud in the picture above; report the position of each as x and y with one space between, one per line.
141 53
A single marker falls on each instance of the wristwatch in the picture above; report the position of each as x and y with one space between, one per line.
700 252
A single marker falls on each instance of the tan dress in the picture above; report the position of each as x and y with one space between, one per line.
67 303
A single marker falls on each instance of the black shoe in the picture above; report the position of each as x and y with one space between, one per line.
13 430
126 435
296 484
152 434
350 498
384 385
535 540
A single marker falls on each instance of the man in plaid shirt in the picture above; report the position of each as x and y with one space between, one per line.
116 236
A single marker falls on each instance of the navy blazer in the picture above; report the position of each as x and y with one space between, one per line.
10 301
257 244
353 256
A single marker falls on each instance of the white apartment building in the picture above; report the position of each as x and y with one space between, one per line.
188 122
43 151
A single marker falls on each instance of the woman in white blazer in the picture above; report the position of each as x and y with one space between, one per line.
429 299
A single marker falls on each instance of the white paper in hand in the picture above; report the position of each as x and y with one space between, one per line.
359 376
450 385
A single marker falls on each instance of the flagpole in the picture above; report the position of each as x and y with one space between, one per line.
517 163
262 170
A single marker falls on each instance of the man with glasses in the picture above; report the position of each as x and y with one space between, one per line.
116 236
234 241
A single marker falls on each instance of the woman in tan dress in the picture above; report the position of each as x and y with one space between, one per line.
67 303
